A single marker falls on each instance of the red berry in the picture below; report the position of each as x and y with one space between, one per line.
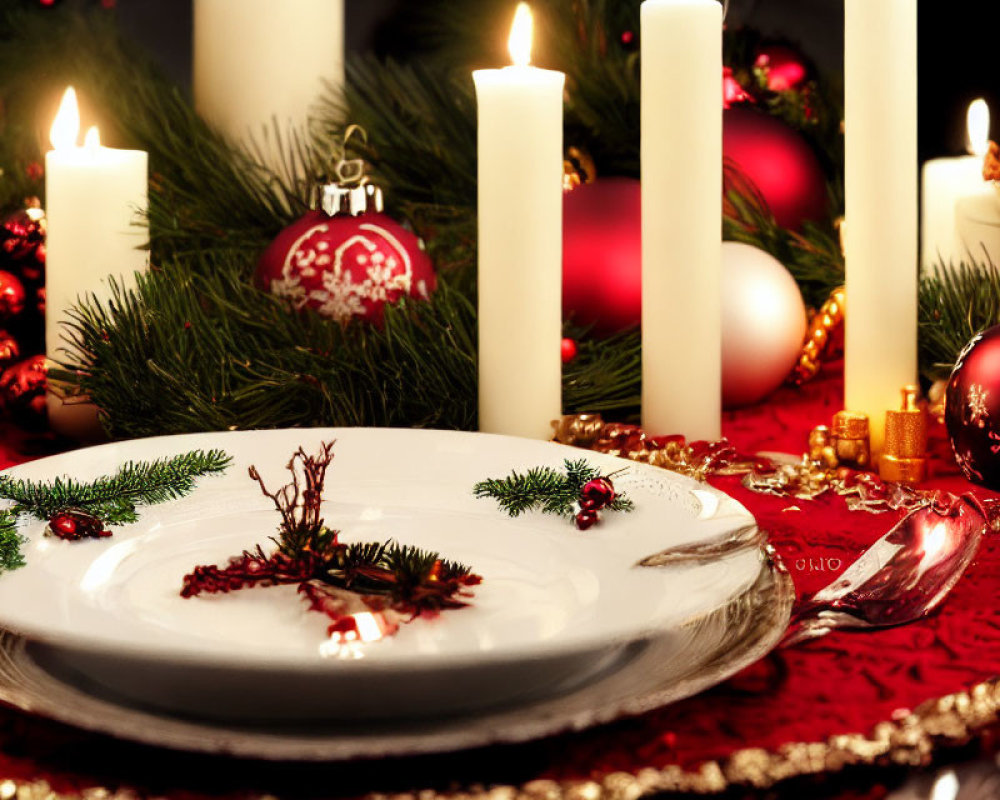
599 491
586 519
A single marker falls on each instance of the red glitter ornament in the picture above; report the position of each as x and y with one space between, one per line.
972 409
779 162
347 260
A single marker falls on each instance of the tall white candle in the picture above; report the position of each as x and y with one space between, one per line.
880 76
520 242
681 217
261 61
945 182
95 199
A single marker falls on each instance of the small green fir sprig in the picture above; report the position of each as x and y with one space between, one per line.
10 543
547 489
111 498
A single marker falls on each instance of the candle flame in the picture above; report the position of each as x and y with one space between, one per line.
66 126
978 126
93 138
520 36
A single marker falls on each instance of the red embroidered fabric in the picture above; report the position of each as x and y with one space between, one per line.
846 683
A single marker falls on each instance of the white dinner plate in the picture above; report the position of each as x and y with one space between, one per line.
647 675
556 607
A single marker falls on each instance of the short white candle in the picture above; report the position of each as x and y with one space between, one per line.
880 77
681 217
257 62
520 242
95 199
945 182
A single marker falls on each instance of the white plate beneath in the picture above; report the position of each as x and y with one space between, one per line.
555 607
645 676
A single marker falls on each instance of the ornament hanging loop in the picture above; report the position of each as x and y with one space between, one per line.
352 194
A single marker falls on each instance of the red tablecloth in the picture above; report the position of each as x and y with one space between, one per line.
856 705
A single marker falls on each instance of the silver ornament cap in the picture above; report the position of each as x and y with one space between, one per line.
352 200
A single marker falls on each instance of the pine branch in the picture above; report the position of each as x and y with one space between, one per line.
956 302
10 542
545 489
114 498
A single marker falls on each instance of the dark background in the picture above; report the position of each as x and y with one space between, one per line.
958 45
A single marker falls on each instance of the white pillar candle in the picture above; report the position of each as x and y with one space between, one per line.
945 182
880 77
978 225
520 242
681 217
95 199
261 61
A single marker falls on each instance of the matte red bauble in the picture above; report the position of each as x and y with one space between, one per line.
346 266
602 254
779 162
972 409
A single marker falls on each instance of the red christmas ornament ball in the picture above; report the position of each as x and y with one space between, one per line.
972 409
568 350
22 390
12 295
345 266
22 241
732 91
786 67
602 254
599 492
779 162
10 349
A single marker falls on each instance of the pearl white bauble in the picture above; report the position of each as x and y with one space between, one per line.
763 324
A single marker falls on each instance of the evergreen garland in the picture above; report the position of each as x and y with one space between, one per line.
111 499
196 347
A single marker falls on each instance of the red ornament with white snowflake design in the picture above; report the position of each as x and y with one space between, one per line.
972 409
346 260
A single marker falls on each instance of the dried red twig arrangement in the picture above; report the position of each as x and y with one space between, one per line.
387 579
